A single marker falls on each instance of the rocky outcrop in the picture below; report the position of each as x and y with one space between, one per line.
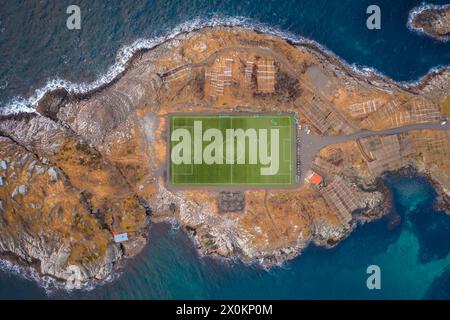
59 207
85 168
432 20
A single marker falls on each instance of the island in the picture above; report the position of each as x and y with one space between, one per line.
84 177
434 21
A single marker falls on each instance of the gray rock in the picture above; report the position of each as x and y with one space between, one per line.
22 160
53 174
38 169
3 165
31 166
36 132
22 190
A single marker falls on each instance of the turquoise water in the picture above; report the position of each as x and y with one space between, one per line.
36 47
413 257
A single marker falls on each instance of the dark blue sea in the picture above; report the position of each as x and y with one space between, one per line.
37 50
413 257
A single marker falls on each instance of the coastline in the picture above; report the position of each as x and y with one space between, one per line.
49 284
30 272
419 30
127 54
63 93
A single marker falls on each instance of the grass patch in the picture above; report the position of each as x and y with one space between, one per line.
262 150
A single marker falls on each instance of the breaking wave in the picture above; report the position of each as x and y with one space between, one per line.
28 273
49 284
27 105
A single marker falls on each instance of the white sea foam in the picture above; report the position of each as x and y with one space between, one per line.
49 284
417 10
27 105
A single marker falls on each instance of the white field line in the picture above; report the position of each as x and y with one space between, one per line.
231 166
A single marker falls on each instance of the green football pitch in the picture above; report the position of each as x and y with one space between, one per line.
229 155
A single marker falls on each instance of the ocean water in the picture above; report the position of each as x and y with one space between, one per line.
413 257
36 48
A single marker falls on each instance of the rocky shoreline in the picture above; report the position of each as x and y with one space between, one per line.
367 74
431 20
88 166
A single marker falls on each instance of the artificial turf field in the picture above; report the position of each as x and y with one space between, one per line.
232 175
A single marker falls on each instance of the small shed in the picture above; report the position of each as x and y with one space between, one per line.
120 237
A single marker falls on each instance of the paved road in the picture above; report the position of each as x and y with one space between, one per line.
311 144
